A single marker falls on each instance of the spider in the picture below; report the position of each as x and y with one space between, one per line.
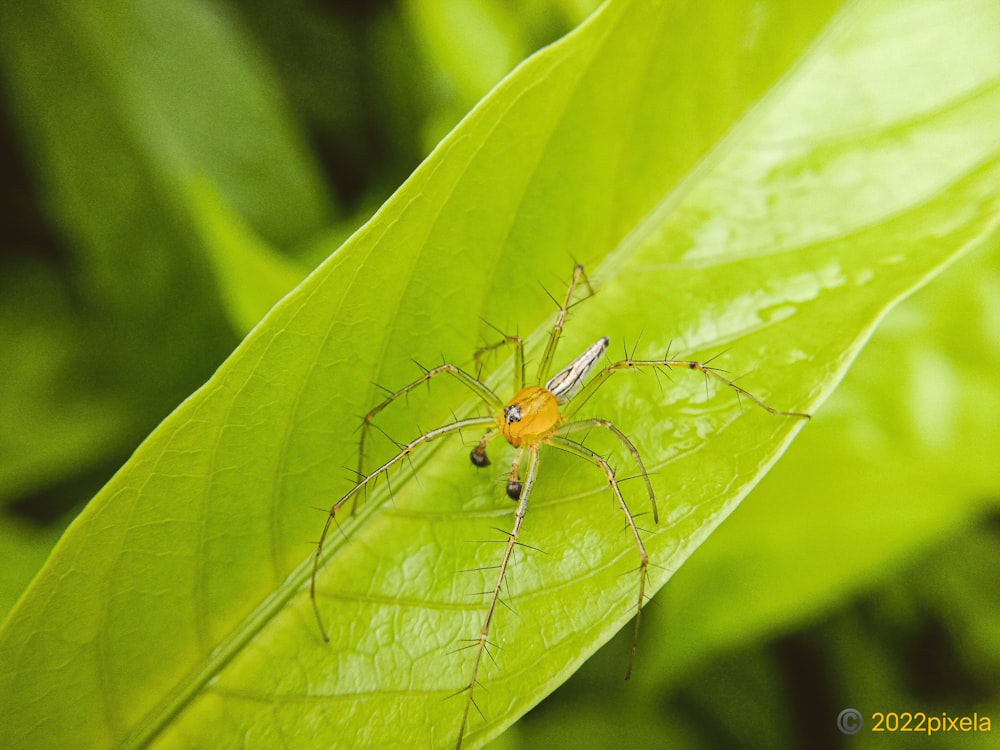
537 415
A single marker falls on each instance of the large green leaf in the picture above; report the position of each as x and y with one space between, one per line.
899 464
903 456
767 190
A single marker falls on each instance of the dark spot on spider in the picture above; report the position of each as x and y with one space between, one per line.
512 413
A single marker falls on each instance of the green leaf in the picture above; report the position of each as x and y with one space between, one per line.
898 464
120 106
25 548
251 274
902 457
51 426
473 43
765 192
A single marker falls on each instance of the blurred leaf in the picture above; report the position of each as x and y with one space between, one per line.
956 584
51 425
251 275
353 77
119 106
164 121
904 646
469 45
25 548
473 42
740 191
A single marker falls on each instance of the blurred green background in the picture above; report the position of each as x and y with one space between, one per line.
120 123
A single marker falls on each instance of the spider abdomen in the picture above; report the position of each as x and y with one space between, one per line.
530 416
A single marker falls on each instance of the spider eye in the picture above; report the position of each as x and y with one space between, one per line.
512 413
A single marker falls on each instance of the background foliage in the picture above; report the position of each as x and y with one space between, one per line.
140 249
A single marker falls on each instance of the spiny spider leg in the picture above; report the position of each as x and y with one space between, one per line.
518 354
488 396
550 348
585 424
369 479
579 449
481 643
688 364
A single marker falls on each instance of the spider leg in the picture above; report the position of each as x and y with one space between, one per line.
514 484
569 428
710 373
550 348
481 643
518 355
370 479
478 454
579 449
488 396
